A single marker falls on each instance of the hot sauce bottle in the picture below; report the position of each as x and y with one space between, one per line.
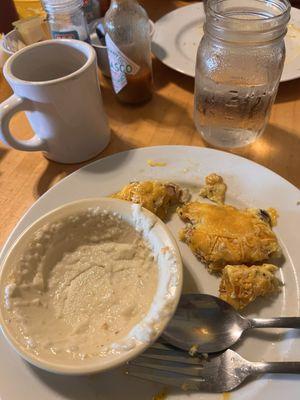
129 51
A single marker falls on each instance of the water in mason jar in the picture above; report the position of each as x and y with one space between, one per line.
231 115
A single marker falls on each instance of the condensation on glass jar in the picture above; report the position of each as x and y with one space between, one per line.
66 19
239 64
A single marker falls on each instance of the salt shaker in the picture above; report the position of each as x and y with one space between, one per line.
66 19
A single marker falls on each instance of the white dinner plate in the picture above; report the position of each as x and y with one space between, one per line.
249 184
177 35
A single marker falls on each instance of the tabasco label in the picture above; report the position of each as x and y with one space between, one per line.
120 65
65 35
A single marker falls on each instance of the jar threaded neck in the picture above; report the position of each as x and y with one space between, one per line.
59 6
247 20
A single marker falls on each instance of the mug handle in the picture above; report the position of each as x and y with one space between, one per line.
8 108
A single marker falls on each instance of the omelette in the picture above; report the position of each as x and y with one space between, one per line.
221 234
155 196
241 285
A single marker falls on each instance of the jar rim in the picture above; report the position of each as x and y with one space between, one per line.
56 6
212 10
247 21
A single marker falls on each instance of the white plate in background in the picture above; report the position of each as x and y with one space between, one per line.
249 184
178 34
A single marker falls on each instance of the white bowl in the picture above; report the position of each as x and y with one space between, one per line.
5 53
159 234
102 56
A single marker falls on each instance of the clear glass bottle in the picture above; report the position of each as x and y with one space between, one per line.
66 19
129 50
239 64
91 10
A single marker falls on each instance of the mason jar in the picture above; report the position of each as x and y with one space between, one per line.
66 19
239 64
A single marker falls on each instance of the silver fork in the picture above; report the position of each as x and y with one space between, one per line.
215 373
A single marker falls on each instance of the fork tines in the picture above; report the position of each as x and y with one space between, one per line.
169 366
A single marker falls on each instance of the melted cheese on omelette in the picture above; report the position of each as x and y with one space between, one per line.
156 196
241 285
219 234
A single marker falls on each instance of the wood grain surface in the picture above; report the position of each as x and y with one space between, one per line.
166 119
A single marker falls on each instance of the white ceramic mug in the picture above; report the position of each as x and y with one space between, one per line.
56 83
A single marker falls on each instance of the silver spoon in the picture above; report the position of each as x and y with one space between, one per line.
207 324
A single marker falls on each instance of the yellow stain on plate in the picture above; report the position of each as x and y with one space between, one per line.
153 163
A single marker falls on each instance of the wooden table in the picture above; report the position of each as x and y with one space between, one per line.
167 119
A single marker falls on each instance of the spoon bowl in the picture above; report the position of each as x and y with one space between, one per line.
207 324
